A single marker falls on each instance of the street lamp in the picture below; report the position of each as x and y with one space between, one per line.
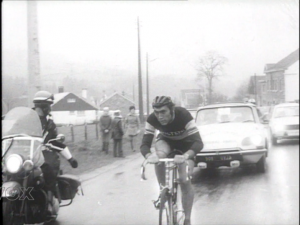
147 81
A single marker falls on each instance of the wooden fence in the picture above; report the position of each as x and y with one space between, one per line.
80 132
83 132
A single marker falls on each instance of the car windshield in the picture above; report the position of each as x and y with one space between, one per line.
239 114
286 111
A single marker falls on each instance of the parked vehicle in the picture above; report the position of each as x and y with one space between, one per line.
284 122
193 112
291 83
233 136
24 196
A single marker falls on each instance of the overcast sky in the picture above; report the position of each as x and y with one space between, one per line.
175 33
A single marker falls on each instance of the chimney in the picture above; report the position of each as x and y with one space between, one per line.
84 93
60 89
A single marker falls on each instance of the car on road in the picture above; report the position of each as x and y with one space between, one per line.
193 112
233 136
284 122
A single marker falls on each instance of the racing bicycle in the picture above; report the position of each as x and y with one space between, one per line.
169 200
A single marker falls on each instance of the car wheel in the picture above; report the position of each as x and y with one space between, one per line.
261 165
274 140
267 147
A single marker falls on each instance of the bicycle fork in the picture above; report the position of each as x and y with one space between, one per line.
167 180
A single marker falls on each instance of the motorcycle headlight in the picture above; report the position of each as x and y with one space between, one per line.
278 127
256 140
13 163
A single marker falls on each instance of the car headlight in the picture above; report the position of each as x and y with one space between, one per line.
256 140
14 163
278 127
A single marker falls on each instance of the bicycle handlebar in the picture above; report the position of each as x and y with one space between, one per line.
143 167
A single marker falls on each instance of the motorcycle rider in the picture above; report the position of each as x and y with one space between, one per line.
42 105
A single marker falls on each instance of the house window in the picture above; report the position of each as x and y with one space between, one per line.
81 113
263 88
72 113
281 84
275 82
71 100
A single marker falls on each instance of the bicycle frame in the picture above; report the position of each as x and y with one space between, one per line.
169 191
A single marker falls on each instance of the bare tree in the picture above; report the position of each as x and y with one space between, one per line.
210 67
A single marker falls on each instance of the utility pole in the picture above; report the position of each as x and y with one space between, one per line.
140 76
147 80
34 77
255 93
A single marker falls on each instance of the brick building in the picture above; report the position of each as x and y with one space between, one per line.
273 89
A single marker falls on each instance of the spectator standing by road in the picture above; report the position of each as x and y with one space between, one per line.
132 126
105 127
117 134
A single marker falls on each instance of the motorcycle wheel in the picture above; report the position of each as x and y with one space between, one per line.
7 212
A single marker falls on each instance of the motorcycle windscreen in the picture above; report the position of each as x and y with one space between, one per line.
28 148
22 120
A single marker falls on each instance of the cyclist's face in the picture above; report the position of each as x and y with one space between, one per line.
163 114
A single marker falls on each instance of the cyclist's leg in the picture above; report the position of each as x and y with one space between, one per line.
186 189
162 149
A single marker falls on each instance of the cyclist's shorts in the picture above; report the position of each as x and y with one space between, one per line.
178 147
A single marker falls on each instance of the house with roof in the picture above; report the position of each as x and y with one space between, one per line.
117 102
281 81
69 108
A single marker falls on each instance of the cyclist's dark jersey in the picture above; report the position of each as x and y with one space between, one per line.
182 129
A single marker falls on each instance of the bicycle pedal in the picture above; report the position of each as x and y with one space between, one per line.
156 203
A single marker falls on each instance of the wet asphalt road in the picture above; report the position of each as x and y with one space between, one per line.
239 196
114 195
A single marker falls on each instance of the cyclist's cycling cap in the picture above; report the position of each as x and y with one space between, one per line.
160 101
43 97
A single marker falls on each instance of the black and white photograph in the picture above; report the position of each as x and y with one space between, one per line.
150 112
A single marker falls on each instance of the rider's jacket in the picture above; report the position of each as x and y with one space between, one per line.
182 128
49 128
50 131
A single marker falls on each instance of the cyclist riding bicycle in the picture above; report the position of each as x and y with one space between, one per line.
177 131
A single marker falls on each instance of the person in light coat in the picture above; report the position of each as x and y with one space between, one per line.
132 126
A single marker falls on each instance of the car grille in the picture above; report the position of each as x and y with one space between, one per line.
292 127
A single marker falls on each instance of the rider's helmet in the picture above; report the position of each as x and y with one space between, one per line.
43 97
160 101
42 100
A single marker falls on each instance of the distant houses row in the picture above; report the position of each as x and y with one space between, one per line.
71 109
279 84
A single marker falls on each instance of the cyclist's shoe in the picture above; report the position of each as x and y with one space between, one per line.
156 203
187 222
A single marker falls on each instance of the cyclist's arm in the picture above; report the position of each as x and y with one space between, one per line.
197 145
194 137
147 140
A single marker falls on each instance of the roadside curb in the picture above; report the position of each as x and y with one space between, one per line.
93 174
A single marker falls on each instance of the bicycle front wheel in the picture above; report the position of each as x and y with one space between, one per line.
178 212
166 215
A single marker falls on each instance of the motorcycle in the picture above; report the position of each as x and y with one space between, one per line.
25 198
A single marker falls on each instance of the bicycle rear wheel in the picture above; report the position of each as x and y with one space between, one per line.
166 216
